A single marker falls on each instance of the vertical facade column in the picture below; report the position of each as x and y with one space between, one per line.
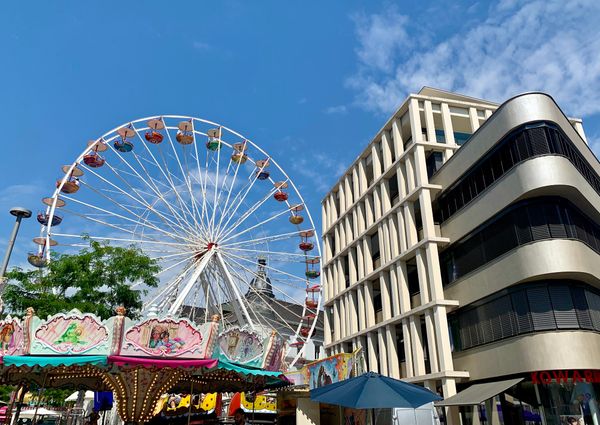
394 293
429 123
367 254
382 354
410 370
410 225
392 350
362 175
362 314
360 260
341 194
426 214
440 320
369 210
473 119
348 192
343 317
403 245
356 182
393 236
422 274
372 344
397 137
386 145
376 156
448 130
353 313
336 321
370 309
433 271
376 203
409 174
326 326
420 166
415 120
384 284
417 345
402 273
431 342
352 273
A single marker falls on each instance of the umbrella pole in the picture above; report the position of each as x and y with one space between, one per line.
39 400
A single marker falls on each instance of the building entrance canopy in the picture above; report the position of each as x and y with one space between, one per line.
478 393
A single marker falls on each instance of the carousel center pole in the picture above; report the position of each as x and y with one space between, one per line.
191 401
39 400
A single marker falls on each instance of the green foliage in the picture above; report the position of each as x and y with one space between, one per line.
96 280
5 392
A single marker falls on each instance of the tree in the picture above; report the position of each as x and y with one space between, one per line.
96 280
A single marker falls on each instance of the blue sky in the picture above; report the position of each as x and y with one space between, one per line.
310 82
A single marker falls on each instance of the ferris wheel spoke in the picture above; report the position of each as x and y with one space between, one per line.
268 301
170 288
239 202
245 317
172 187
298 257
225 237
244 216
191 282
105 223
164 217
264 239
111 238
226 205
169 177
185 178
119 191
229 190
234 256
150 182
129 219
202 211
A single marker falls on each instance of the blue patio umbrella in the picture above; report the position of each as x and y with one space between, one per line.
373 391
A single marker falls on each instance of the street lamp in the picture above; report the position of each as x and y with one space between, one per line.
20 213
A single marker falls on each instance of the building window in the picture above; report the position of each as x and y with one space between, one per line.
393 188
530 307
375 254
433 163
528 141
530 220
459 138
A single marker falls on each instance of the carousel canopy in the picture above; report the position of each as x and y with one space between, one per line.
53 361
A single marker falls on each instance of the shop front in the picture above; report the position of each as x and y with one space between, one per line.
557 397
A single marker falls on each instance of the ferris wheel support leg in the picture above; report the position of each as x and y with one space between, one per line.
191 282
245 318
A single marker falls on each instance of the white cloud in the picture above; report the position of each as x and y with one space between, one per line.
339 109
550 46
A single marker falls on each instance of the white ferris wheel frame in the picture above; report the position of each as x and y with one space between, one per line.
112 135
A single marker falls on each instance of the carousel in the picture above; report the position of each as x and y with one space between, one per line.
140 362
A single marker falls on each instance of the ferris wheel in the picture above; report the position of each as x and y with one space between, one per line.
229 228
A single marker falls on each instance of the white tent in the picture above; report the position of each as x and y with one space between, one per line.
89 395
42 411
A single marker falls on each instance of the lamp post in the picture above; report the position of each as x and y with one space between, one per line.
20 213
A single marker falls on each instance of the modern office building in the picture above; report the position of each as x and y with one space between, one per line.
461 251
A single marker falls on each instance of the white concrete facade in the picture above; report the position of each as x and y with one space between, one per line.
378 241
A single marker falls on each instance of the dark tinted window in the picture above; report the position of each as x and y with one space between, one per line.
526 308
531 220
528 141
